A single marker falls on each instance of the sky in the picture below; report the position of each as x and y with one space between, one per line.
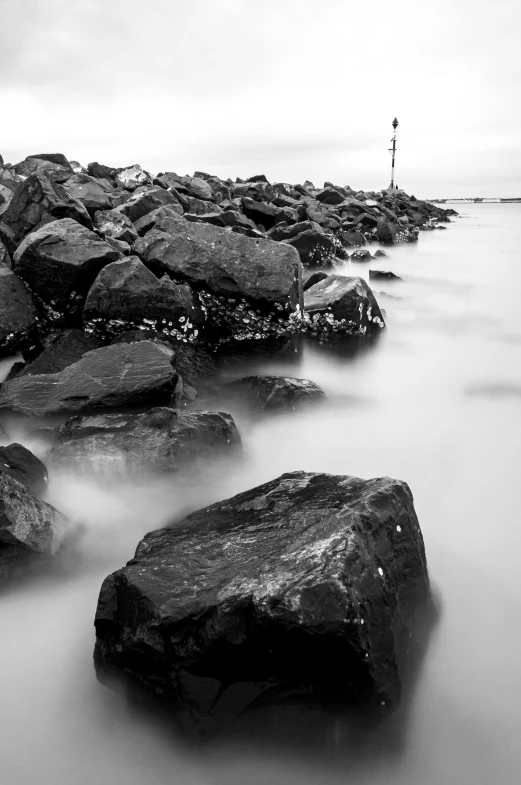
293 89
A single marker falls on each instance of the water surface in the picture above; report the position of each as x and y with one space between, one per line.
436 402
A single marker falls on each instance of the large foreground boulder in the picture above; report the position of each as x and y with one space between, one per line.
340 304
120 375
126 295
18 315
161 440
60 350
306 586
19 462
28 526
276 393
59 262
244 282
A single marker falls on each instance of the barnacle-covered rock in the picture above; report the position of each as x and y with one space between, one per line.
342 305
307 587
59 262
251 288
18 315
127 295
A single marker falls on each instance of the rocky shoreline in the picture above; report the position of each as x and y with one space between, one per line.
123 291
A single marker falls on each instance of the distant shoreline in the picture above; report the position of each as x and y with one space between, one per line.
488 200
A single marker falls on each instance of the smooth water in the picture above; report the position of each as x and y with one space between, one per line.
435 402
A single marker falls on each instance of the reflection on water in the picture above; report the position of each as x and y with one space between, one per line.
401 407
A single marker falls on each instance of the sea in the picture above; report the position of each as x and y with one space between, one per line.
436 401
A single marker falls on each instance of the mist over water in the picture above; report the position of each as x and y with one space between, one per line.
436 401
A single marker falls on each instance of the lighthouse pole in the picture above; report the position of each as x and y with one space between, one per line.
392 150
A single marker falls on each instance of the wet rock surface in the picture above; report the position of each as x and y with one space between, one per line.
381 275
18 314
276 393
121 375
59 262
342 305
28 526
19 462
59 350
161 440
126 295
306 587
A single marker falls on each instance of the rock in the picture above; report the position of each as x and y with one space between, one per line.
19 462
113 224
55 158
18 315
383 274
144 203
242 282
161 440
197 188
38 201
89 192
262 213
342 305
276 393
27 525
148 221
379 252
5 259
132 177
5 198
100 172
283 232
316 249
126 295
353 239
61 350
57 172
363 255
59 262
136 374
330 195
310 278
308 587
193 363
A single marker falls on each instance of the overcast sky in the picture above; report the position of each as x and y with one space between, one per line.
295 89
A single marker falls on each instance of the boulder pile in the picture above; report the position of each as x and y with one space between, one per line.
124 291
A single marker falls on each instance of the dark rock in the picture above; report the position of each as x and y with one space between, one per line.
316 249
276 393
54 158
387 232
197 188
113 224
28 526
148 221
258 178
171 180
308 587
38 201
126 295
387 274
330 195
144 203
316 212
310 278
19 462
61 350
119 245
6 196
100 172
57 172
261 213
60 261
136 374
89 192
132 177
18 315
379 252
161 440
353 239
363 255
342 305
242 281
